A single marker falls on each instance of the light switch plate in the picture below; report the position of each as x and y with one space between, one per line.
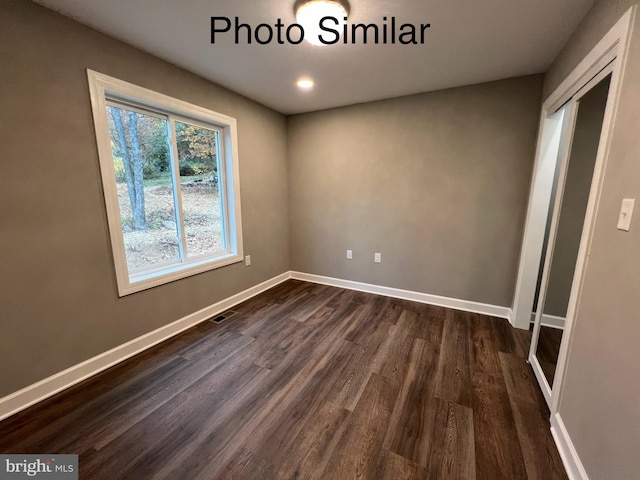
626 212
349 254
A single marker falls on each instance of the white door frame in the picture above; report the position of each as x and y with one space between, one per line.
614 46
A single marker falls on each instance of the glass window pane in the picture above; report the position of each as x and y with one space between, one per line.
199 183
142 167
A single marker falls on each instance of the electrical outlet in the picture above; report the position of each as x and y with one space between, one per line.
377 257
247 260
349 254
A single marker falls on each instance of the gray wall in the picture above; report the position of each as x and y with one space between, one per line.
436 182
58 297
600 402
584 150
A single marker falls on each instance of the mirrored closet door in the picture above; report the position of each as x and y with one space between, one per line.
572 188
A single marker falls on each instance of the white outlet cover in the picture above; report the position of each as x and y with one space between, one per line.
626 212
350 254
377 257
247 260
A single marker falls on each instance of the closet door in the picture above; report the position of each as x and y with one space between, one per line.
573 190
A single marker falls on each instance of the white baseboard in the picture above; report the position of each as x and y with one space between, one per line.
49 386
550 321
467 306
570 459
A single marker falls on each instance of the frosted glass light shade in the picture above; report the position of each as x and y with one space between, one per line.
309 14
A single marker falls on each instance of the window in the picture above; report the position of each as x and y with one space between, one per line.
170 178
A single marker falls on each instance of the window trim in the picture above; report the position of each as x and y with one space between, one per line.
104 89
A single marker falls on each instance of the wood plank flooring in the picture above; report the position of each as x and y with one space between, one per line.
309 382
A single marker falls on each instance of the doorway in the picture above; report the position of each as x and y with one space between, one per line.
562 116
583 104
571 190
570 162
597 76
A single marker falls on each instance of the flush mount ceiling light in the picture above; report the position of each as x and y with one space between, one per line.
309 14
305 83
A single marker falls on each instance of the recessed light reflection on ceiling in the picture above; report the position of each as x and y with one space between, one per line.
309 13
305 84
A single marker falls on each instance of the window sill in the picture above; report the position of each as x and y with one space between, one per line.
141 282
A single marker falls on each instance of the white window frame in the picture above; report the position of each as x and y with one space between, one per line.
103 89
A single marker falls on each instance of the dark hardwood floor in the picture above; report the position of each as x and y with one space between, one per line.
313 382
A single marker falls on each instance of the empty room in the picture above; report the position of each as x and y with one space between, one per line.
319 239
